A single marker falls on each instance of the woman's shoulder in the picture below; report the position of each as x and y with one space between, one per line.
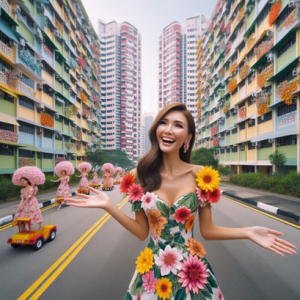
196 169
133 172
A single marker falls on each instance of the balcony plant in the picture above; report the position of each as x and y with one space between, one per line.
262 103
47 120
264 76
8 136
25 161
242 112
290 20
232 85
232 67
226 108
285 89
274 12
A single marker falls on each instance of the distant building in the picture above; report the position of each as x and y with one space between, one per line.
147 120
178 62
121 88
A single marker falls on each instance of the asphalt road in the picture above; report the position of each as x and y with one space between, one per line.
101 264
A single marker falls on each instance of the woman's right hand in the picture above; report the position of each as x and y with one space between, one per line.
101 200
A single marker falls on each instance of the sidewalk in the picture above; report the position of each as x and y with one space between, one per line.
281 205
8 209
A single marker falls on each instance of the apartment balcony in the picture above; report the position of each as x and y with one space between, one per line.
6 6
5 49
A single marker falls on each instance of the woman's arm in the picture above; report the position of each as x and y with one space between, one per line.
68 179
138 227
55 180
79 175
264 237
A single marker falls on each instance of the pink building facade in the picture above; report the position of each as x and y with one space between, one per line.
121 88
178 61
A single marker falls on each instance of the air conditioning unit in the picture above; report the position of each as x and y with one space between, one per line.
57 33
16 10
253 144
22 43
277 144
270 141
295 72
262 117
40 9
39 130
56 116
294 141
258 144
269 57
19 73
40 86
269 33
4 146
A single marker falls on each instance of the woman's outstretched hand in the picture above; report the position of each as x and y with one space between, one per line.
100 200
268 239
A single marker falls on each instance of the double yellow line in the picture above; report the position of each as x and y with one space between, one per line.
42 283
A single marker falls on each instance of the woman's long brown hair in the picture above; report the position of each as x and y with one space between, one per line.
148 169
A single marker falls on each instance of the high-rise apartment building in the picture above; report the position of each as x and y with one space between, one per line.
121 88
49 84
178 61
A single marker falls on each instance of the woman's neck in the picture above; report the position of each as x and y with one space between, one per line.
171 163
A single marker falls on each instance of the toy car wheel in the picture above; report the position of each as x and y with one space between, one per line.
52 235
16 245
38 244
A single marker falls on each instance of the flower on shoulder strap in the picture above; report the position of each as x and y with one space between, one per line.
208 182
126 183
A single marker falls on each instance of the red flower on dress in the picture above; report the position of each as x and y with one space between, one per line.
126 183
201 194
182 214
214 197
135 192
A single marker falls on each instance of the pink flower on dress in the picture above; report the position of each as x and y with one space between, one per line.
148 200
135 192
149 282
182 214
169 260
201 194
220 296
193 274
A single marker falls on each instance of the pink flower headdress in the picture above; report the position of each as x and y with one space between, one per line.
33 174
84 165
64 166
108 166
118 169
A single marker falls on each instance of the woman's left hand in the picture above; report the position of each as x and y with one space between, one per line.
268 239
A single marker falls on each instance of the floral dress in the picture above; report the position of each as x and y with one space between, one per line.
63 189
84 181
108 180
31 208
95 180
173 265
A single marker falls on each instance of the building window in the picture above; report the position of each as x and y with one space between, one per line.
250 146
27 128
264 118
242 125
290 42
234 130
285 109
7 97
251 123
288 76
48 134
66 122
234 149
47 155
4 65
26 80
287 140
26 153
9 151
263 14
284 15
265 144
6 126
25 102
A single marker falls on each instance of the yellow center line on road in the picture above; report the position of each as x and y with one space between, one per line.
45 280
261 212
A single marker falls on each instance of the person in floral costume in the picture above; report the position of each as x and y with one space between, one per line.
63 169
118 177
84 168
108 170
166 198
28 177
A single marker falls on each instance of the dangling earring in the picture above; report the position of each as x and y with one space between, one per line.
186 146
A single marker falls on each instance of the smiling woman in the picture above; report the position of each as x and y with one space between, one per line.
173 265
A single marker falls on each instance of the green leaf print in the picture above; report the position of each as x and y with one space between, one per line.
136 206
151 243
172 210
137 287
207 285
155 250
175 286
212 282
164 209
171 223
156 271
181 226
208 265
128 296
190 201
180 295
178 238
166 234
161 245
206 294
198 296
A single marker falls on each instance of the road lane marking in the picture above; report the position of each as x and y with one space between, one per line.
266 214
42 283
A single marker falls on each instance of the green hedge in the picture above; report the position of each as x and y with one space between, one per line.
281 184
9 191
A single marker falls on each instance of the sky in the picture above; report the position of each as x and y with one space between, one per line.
149 17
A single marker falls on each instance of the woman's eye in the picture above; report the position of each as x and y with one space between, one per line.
162 122
178 125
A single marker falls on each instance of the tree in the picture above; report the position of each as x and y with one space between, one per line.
204 157
277 159
118 157
96 158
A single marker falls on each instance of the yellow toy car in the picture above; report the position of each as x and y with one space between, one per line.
95 186
36 238
83 191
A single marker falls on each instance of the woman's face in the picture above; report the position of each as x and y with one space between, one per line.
172 132
63 173
24 182
84 170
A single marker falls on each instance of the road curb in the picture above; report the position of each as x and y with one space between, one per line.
269 208
9 218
